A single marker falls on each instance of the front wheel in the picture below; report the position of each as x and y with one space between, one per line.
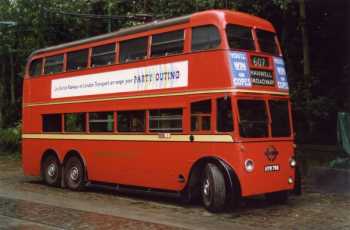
74 174
213 188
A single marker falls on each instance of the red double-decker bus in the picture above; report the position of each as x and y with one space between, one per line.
195 106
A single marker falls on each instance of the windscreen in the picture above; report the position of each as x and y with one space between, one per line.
240 37
280 126
253 118
267 41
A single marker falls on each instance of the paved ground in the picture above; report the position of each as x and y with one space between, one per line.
25 203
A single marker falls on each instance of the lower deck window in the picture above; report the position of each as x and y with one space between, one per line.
74 122
131 121
52 122
101 122
200 115
253 118
165 120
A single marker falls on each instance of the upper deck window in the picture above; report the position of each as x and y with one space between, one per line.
240 37
134 49
77 60
167 43
267 41
205 38
253 118
54 64
35 67
103 55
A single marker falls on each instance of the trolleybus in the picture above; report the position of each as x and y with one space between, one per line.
195 106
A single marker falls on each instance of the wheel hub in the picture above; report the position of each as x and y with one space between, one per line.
52 170
206 187
74 173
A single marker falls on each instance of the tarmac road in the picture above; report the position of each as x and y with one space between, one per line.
26 203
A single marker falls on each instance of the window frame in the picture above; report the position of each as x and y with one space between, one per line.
183 40
145 128
211 116
64 63
116 54
252 33
120 43
101 121
149 130
76 51
203 26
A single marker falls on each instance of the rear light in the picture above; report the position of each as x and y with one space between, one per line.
292 162
249 165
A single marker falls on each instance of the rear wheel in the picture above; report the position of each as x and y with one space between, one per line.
52 171
213 188
277 197
74 174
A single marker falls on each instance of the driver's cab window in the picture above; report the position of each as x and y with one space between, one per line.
201 115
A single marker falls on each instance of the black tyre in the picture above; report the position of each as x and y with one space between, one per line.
74 174
213 188
52 171
277 197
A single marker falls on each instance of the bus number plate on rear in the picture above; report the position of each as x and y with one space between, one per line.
272 168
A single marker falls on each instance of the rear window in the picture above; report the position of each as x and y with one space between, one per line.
280 118
267 41
253 118
240 37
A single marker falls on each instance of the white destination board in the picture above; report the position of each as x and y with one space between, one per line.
164 76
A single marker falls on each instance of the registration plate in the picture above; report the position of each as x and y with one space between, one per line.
272 168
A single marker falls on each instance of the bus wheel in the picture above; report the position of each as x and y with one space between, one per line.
277 197
74 174
52 171
213 188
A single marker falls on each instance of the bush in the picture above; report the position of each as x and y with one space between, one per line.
10 138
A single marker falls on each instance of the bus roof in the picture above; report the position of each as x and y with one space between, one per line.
243 18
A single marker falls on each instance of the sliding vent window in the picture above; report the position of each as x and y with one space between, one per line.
167 43
52 122
77 60
35 67
54 64
267 41
224 114
205 38
165 120
280 118
131 121
240 37
103 55
74 122
200 115
133 50
101 122
253 118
